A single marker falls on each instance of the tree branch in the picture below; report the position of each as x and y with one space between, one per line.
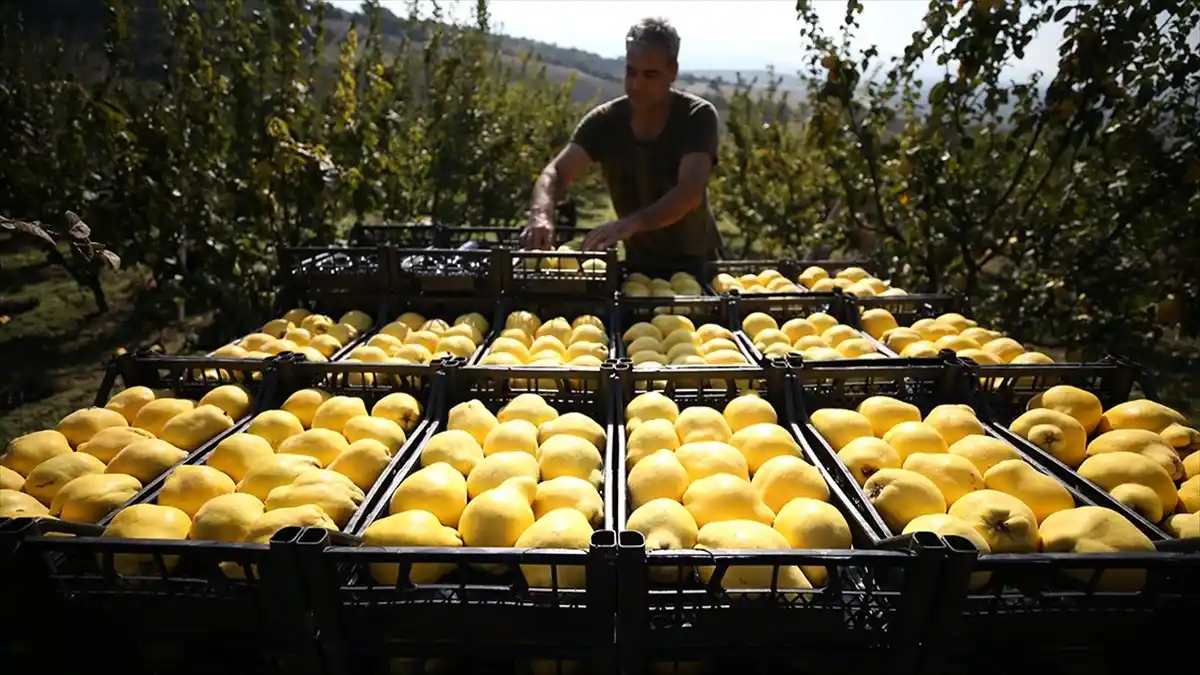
873 168
1037 188
1022 167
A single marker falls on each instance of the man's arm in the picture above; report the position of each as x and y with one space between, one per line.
550 185
688 193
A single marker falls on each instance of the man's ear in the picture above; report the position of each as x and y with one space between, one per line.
674 71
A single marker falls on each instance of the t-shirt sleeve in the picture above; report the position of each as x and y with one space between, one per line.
702 130
592 132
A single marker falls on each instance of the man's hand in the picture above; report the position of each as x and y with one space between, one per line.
608 234
538 235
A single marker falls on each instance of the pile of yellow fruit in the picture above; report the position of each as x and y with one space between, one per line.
819 337
316 336
767 281
96 459
413 339
552 264
673 340
953 331
1142 453
306 464
735 479
526 477
525 340
944 474
852 280
638 285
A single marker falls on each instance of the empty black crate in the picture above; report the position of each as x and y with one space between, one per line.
469 268
333 269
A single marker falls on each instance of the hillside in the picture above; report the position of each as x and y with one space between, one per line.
597 77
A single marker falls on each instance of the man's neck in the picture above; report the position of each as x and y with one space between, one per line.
651 114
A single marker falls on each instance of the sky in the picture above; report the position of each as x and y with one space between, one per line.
716 34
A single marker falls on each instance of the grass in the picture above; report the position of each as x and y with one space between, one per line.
56 350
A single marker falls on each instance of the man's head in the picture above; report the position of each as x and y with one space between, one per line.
651 61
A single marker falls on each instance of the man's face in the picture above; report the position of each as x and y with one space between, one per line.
649 74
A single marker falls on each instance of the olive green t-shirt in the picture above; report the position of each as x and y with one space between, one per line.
639 173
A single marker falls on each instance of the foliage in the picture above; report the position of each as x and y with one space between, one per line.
268 125
769 182
1059 204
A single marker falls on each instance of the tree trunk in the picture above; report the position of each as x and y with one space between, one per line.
93 283
89 279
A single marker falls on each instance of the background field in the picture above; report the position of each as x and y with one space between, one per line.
194 138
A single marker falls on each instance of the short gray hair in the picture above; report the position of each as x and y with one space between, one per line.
655 32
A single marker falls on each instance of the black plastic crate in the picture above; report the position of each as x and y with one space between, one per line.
481 621
338 379
1062 624
906 308
783 307
832 267
189 377
873 603
1029 594
663 271
507 238
333 304
1005 390
161 619
929 391
549 307
197 595
424 234
737 268
699 309
198 622
444 307
560 273
306 269
468 269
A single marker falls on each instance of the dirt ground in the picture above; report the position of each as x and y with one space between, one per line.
54 345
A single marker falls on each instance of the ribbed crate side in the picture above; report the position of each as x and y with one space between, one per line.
561 273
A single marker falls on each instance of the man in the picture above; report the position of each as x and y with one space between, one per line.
657 147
